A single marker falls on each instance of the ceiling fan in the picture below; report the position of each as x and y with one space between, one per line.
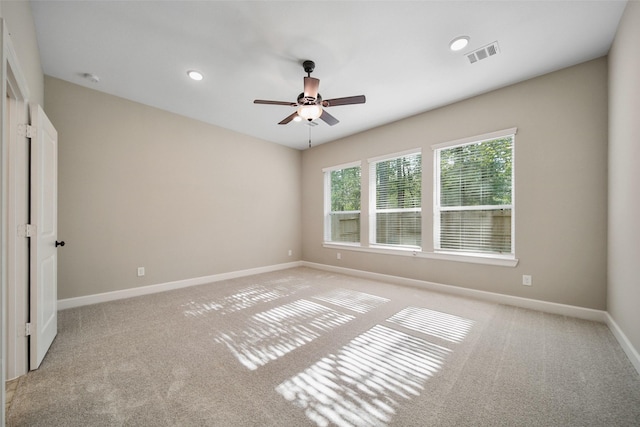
310 104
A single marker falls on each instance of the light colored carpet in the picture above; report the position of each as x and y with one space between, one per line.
303 347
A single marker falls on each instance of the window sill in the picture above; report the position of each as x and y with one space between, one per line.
502 261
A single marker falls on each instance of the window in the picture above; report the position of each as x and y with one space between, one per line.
473 209
395 188
342 204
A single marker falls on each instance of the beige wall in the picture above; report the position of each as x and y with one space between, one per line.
18 18
141 187
560 193
624 176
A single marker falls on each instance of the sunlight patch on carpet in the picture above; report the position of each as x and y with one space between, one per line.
359 302
271 334
435 323
367 380
243 299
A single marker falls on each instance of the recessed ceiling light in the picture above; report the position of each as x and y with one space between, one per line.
195 75
459 43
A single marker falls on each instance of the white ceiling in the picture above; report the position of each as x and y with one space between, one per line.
394 52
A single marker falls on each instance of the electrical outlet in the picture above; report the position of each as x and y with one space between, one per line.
526 280
338 256
290 252
140 271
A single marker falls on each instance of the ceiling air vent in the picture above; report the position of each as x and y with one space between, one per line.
484 52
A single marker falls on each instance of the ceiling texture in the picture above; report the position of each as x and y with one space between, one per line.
394 52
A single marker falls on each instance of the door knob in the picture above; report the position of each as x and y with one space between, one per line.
59 243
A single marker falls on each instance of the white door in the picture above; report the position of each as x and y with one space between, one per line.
43 248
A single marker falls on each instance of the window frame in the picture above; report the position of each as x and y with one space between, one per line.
437 209
373 211
327 203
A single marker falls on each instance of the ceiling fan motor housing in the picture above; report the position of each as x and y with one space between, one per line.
308 100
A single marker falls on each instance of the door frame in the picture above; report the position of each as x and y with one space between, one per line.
14 190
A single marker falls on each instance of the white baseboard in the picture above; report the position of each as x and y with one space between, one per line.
626 345
547 307
178 284
544 306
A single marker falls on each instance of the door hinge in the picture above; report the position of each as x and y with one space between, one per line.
27 131
26 230
27 329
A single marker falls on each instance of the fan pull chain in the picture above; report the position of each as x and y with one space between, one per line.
309 137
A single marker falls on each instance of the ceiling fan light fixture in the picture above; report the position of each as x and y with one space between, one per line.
297 119
459 43
310 111
195 75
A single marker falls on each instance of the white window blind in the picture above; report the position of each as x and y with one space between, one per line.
395 200
342 204
474 196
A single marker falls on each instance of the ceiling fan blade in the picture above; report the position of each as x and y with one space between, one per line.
360 99
288 104
288 118
328 118
311 86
